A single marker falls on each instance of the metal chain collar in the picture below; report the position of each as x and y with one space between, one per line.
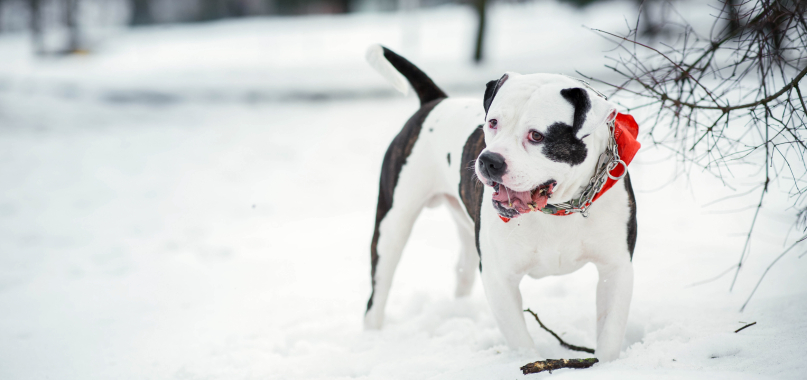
608 161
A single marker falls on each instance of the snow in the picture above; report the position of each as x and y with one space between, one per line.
212 219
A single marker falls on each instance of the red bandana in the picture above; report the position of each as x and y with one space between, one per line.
625 132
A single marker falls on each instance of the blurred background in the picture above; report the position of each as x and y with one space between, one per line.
164 50
188 187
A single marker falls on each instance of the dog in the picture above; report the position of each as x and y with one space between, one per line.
529 176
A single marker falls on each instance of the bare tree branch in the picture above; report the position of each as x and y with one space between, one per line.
769 268
730 99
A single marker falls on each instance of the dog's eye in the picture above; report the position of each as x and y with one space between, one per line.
535 136
493 123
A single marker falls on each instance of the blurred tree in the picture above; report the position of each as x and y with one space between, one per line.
344 6
733 16
285 7
71 22
772 27
580 3
141 12
35 13
481 11
294 7
211 10
219 9
236 8
652 18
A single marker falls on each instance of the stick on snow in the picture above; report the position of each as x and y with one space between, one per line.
553 364
743 328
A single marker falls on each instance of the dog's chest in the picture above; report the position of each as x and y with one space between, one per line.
539 245
553 261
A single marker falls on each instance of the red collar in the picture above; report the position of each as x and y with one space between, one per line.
625 132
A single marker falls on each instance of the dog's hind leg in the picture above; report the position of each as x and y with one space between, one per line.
468 262
389 239
406 185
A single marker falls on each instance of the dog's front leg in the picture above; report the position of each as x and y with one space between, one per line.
504 299
614 291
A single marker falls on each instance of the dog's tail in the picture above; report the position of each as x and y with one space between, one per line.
398 70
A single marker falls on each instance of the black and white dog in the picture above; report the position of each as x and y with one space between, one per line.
541 136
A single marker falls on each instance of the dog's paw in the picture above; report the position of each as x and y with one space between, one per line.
373 321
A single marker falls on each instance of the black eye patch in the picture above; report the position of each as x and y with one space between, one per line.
561 145
560 140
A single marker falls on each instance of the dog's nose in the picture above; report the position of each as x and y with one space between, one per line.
492 166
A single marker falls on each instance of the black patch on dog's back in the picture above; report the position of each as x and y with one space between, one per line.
560 141
470 188
394 160
632 225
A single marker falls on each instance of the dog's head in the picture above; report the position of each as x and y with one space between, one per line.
544 134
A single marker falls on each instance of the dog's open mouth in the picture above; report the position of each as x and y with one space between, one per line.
510 204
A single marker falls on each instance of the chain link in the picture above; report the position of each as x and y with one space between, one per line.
609 160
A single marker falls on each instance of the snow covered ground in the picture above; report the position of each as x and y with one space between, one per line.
197 202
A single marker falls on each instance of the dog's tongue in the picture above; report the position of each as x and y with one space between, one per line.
518 200
521 200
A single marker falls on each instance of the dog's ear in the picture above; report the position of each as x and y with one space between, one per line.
491 90
590 110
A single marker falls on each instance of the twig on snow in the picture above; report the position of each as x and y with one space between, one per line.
553 364
743 328
562 343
